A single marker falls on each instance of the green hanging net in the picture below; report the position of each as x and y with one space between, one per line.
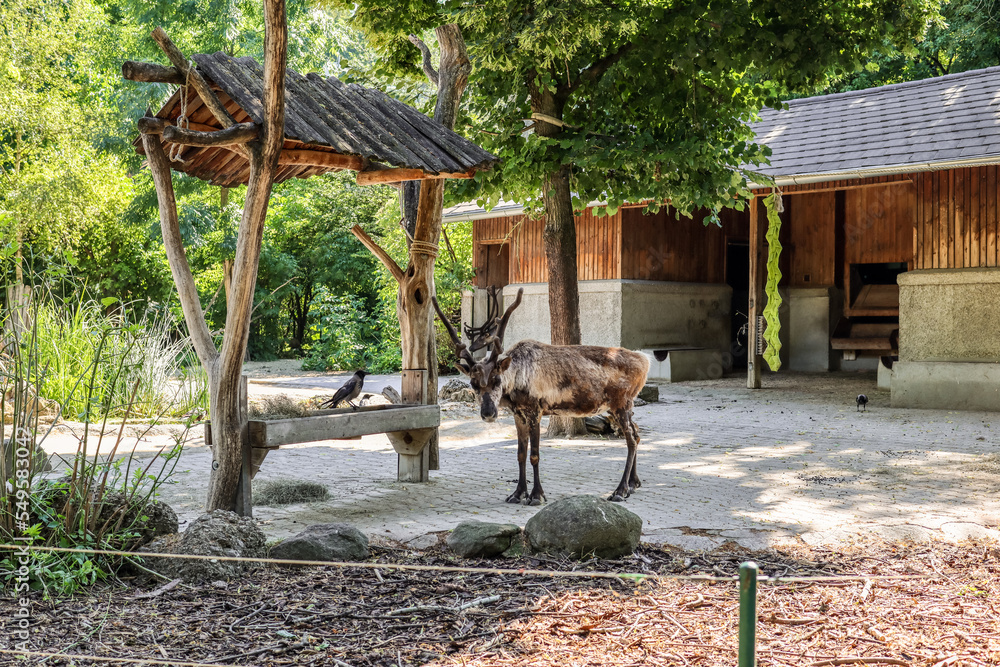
772 325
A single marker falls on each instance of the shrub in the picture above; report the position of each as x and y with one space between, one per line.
74 511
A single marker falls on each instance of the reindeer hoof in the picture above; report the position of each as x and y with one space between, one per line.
617 497
633 485
515 498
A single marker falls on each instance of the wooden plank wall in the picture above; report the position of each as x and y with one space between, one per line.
957 218
878 224
665 246
598 242
811 239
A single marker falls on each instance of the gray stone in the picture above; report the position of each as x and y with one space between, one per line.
960 531
41 459
456 390
220 533
650 393
149 519
478 539
580 526
324 541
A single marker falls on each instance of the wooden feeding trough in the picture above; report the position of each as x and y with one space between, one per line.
409 427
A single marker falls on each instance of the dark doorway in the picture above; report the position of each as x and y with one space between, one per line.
738 277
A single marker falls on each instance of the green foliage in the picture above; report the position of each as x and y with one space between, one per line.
966 37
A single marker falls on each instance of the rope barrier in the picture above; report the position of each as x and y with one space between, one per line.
633 576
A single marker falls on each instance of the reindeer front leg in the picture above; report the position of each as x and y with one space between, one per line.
523 432
630 480
537 495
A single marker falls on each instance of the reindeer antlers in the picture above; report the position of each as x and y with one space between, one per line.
489 335
506 316
465 359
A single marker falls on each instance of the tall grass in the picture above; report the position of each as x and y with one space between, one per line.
80 338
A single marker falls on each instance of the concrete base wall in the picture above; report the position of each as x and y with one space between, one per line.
624 313
946 385
949 315
661 314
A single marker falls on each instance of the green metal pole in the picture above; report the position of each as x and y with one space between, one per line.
748 614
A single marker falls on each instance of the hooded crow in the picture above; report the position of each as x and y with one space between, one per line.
348 392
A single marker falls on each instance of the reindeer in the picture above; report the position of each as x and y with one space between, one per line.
534 379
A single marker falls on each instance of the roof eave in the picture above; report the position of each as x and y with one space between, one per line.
850 174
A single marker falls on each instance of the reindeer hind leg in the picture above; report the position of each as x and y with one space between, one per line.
625 487
537 495
633 480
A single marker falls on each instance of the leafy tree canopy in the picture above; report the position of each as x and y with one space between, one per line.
652 98
966 37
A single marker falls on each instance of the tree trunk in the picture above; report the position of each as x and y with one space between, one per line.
229 444
559 236
451 80
409 199
228 423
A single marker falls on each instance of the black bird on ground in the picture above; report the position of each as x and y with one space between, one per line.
348 392
862 403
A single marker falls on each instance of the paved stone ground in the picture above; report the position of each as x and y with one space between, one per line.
793 462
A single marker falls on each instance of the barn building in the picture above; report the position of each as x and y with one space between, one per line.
890 256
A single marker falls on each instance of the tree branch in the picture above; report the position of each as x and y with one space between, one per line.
379 252
596 70
263 166
201 337
426 64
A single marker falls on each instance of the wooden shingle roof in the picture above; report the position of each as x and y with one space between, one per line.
329 125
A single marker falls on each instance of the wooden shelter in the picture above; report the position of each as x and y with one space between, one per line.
890 249
329 126
234 122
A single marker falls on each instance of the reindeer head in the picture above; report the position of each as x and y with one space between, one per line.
484 375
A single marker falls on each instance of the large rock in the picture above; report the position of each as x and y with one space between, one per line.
220 533
10 455
324 541
478 539
580 526
147 519
649 394
456 390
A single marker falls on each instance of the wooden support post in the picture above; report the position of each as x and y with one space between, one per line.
756 305
244 494
414 467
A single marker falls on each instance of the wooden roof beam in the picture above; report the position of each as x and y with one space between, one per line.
152 125
307 158
240 133
192 77
379 176
151 73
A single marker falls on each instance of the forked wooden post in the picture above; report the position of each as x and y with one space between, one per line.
756 305
413 467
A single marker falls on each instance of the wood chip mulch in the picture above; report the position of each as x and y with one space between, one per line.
357 617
